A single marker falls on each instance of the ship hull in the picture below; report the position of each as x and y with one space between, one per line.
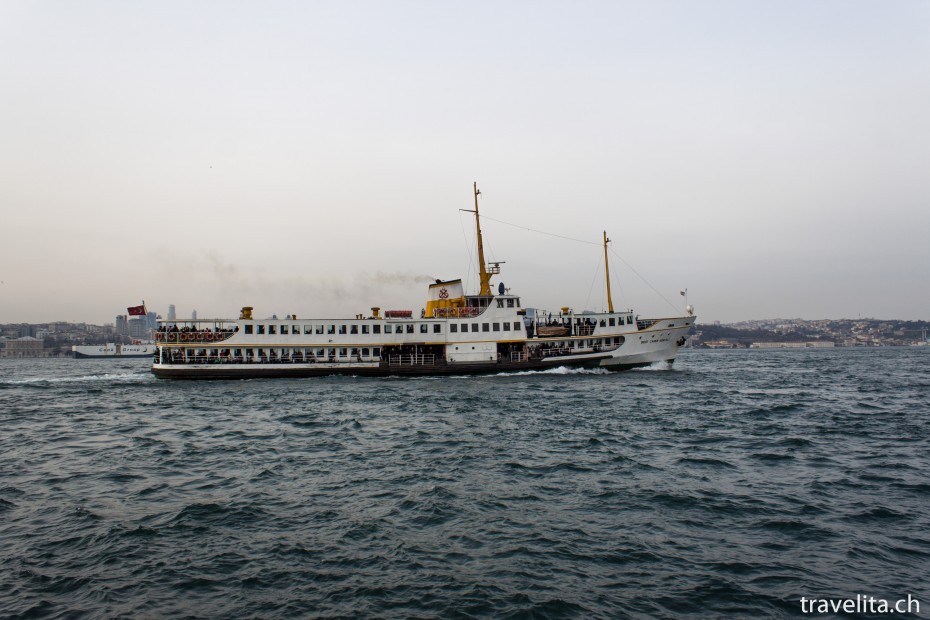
112 351
638 350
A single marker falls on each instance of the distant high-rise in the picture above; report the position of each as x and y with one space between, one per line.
171 313
193 315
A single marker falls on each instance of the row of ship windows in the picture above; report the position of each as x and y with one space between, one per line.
376 328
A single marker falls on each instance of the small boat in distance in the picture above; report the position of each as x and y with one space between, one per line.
456 334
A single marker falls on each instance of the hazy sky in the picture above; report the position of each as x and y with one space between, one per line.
312 157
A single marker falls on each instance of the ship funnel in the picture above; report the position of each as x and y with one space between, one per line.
376 313
246 313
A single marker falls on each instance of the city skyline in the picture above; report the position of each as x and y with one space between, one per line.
312 159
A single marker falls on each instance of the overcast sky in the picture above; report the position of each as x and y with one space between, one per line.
312 157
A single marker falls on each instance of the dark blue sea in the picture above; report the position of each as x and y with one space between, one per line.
731 485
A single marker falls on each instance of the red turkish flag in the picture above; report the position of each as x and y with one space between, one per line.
136 310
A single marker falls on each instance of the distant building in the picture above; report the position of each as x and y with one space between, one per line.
139 328
26 346
815 344
193 315
122 325
172 315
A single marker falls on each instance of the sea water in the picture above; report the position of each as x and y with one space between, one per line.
732 483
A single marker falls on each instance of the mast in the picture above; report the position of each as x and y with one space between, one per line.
483 270
610 303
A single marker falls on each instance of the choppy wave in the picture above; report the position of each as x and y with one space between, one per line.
731 486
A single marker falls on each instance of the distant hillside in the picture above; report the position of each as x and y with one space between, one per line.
867 332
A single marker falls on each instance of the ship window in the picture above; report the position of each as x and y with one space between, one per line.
364 352
284 330
376 351
410 328
261 329
474 327
318 329
387 329
364 329
612 321
453 328
507 327
424 328
321 352
510 303
496 327
343 352
248 329
272 329
603 324
464 327
437 328
353 329
332 352
342 329
500 303
485 327
516 326
330 329
517 302
376 329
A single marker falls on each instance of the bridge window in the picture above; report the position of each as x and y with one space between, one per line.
342 329
603 324
496 327
376 329
248 329
353 329
424 328
474 327
507 327
272 330
261 329
388 328
330 329
485 327
284 330
464 327
308 329
510 303
516 326
453 328
437 328
612 321
318 329
500 303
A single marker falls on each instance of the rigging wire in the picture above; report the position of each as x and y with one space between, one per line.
649 284
543 232
468 270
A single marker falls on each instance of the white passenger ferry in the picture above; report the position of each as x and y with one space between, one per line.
455 334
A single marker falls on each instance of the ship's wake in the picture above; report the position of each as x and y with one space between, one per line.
114 377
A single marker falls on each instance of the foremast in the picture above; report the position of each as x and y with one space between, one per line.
484 273
610 303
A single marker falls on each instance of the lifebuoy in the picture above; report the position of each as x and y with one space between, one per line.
200 337
183 337
209 337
